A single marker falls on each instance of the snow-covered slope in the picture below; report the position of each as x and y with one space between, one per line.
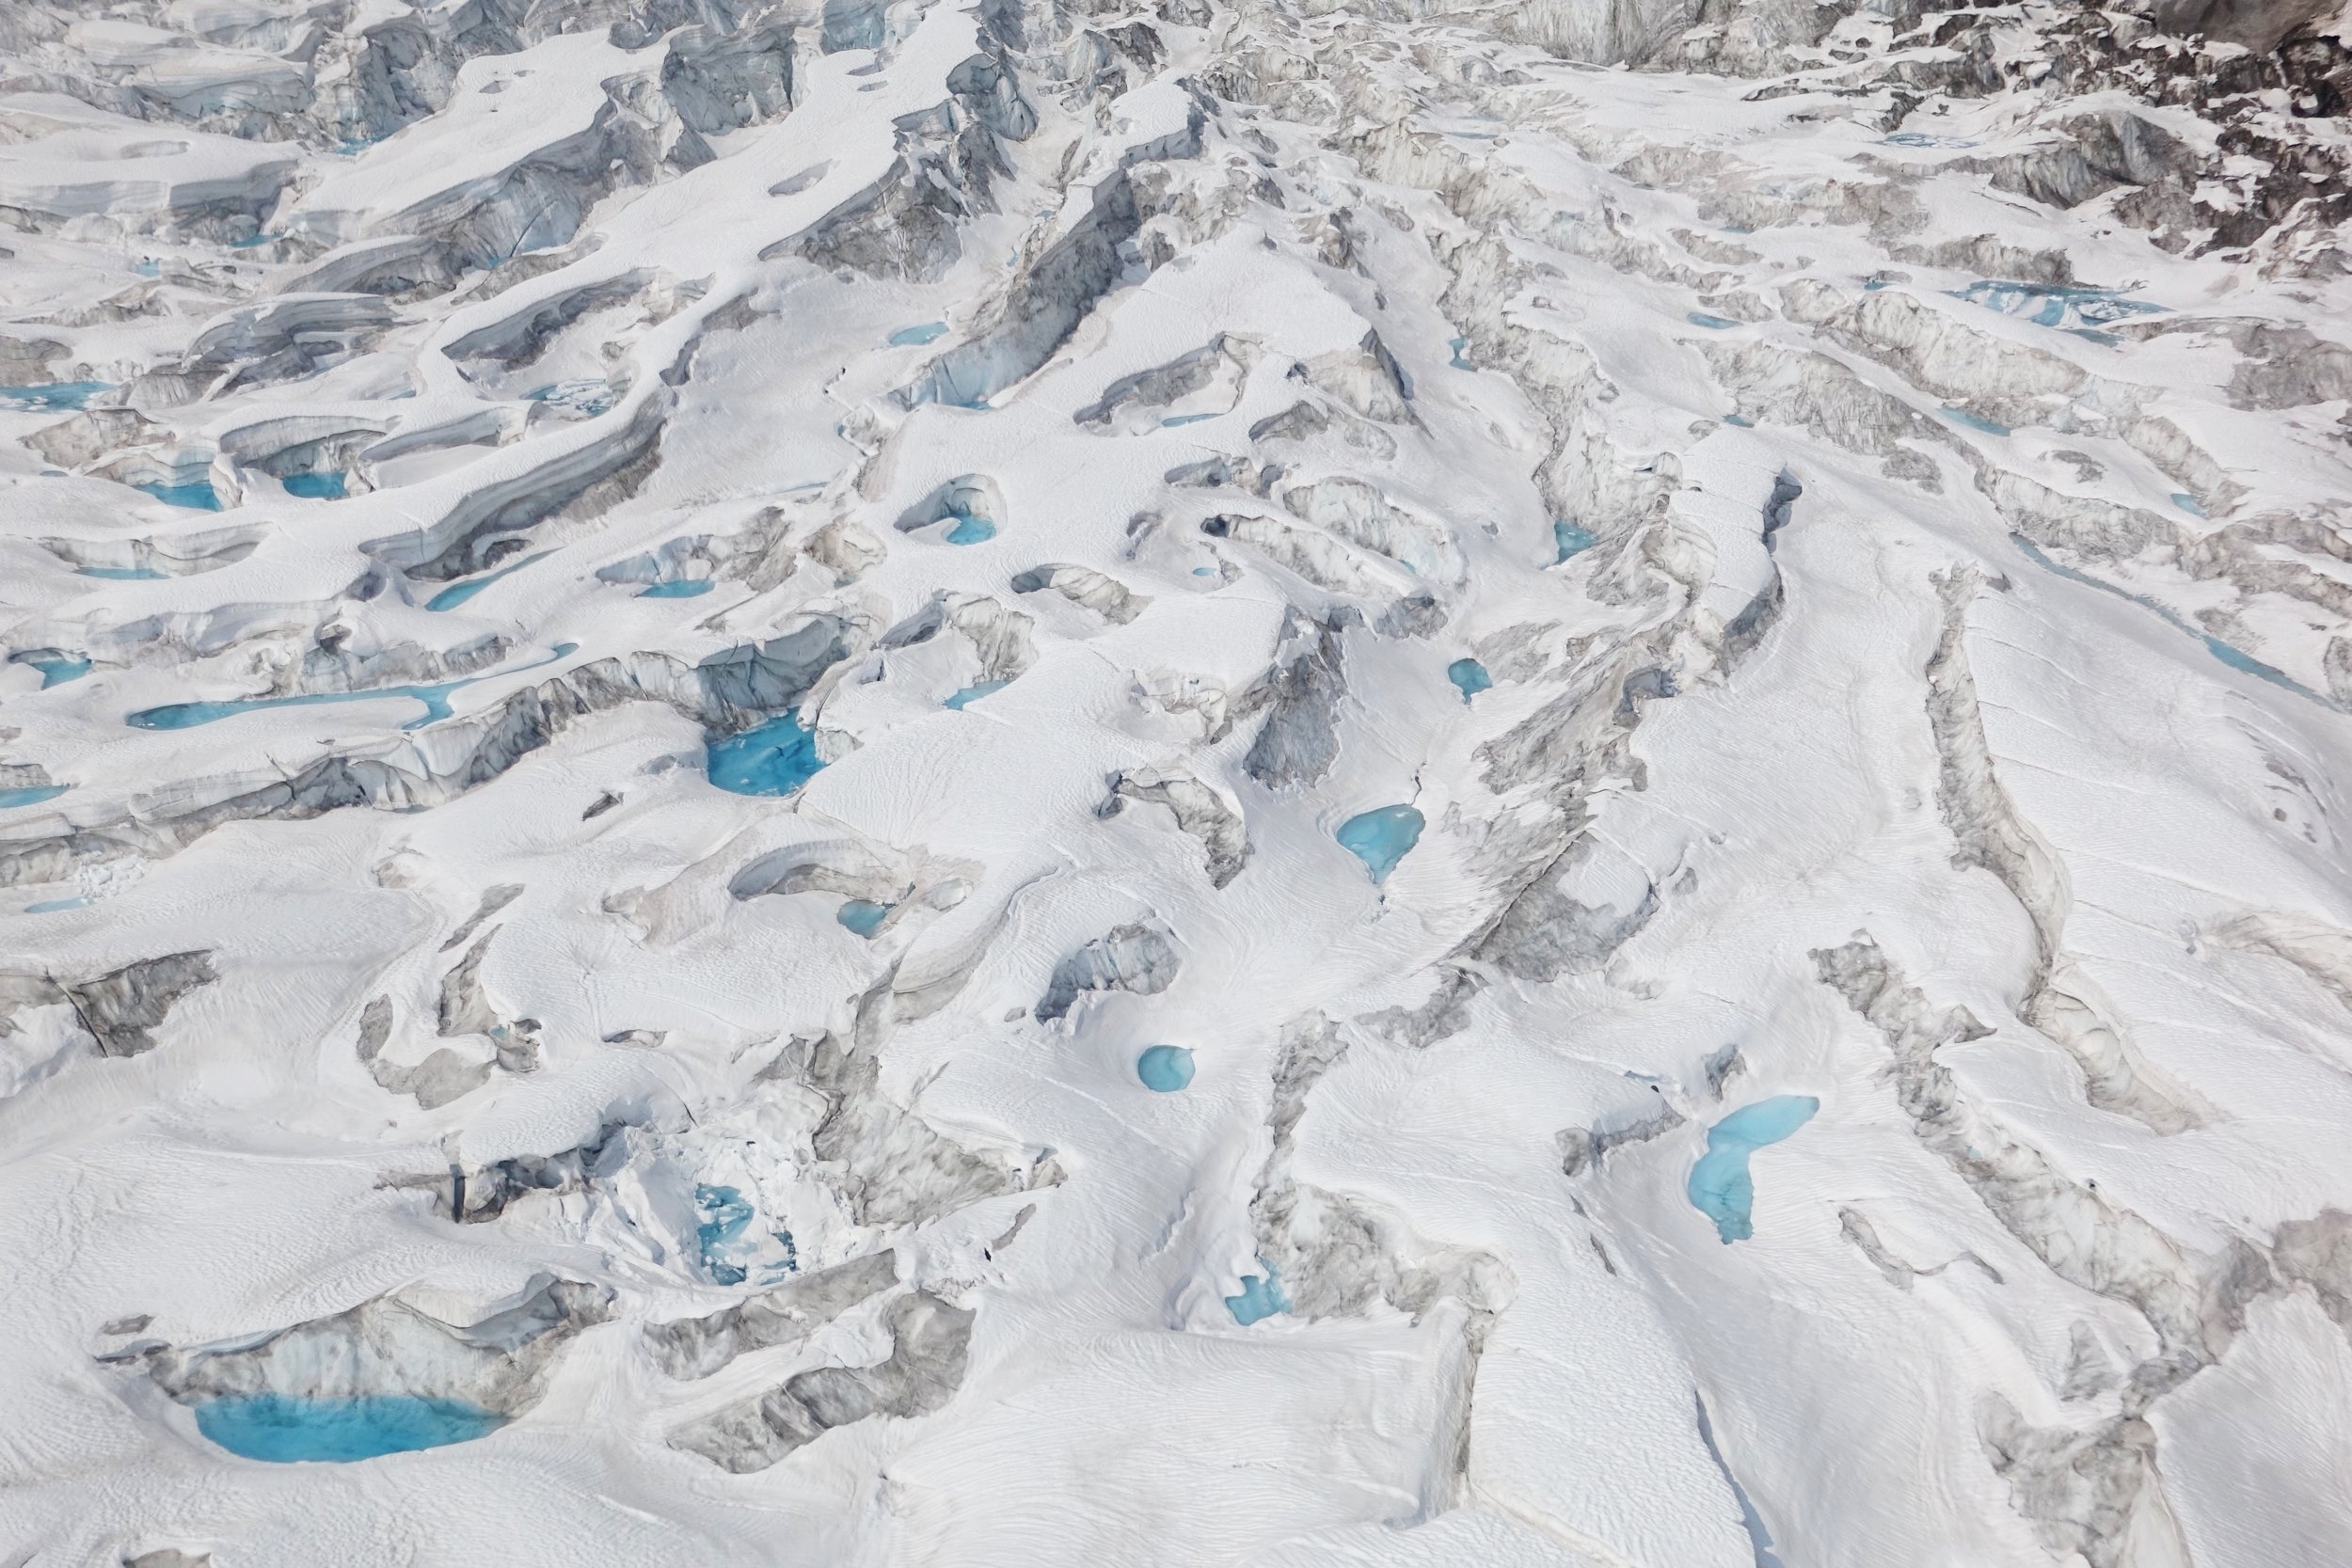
1255 782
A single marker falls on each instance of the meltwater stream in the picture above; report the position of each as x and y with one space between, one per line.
2237 658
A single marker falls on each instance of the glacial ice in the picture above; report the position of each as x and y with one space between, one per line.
1832 514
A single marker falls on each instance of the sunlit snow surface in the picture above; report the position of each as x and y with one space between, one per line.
651 653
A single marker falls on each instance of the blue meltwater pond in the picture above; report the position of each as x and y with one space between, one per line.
286 1430
1261 1296
725 1217
862 916
1381 838
1164 1068
774 759
974 692
1568 539
328 487
1720 1186
1470 677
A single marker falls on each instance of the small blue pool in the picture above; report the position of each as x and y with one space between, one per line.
326 486
971 530
725 1217
30 795
1175 420
678 588
1164 1068
774 759
1721 1186
1261 1296
862 915
198 497
974 692
286 1430
1470 677
586 397
1568 539
915 337
1381 837
56 668
1719 324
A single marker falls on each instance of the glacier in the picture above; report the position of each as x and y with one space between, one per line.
1294 782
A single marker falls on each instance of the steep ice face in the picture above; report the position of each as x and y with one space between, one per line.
1095 784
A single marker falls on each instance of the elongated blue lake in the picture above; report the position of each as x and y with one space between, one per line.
30 795
1721 1186
1164 1068
287 1430
57 395
1380 838
1975 422
678 588
2235 658
458 593
187 716
774 759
